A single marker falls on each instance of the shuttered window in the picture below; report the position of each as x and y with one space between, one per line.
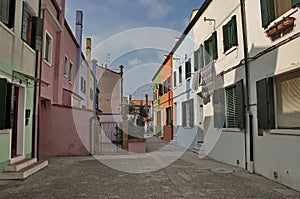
231 108
180 74
265 103
175 79
198 58
211 48
48 48
5 104
219 108
70 72
37 35
188 114
230 38
7 12
188 68
66 66
295 2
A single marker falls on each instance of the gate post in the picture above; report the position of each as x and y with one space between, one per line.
97 130
125 132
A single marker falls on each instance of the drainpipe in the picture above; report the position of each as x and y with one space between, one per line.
40 92
121 103
34 122
247 93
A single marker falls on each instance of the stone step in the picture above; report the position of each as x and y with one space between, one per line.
20 165
23 173
16 159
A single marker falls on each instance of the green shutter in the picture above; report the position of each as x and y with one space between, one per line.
4 11
240 104
37 33
219 108
207 56
295 2
225 38
3 90
215 45
24 21
234 38
8 120
183 104
265 104
267 12
201 57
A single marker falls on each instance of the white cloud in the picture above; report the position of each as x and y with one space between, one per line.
134 62
155 9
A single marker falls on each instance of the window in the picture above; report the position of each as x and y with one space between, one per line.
91 94
7 12
169 116
230 34
211 48
198 58
32 28
287 101
188 114
160 90
66 67
82 85
273 9
175 79
180 74
188 69
70 72
229 106
169 84
158 116
48 49
6 90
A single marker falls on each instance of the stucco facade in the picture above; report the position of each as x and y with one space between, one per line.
17 66
163 100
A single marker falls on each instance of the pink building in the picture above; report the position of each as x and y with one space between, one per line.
58 134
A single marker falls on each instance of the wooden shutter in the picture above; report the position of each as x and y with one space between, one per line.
4 11
219 108
183 104
214 46
231 108
234 37
196 60
37 33
191 112
225 38
240 104
24 21
295 2
201 57
265 104
3 90
267 12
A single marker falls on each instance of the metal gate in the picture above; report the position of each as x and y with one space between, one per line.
110 140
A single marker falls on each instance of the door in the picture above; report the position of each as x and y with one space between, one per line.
14 120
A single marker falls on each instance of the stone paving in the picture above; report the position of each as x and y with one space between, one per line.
187 177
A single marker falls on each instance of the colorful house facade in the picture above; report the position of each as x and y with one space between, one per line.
163 100
21 35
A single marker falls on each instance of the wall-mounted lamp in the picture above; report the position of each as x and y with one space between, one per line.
210 20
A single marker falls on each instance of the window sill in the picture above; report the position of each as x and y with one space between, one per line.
285 15
5 131
188 79
230 50
66 76
47 63
236 130
70 82
10 31
28 47
284 132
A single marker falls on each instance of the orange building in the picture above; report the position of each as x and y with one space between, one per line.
163 100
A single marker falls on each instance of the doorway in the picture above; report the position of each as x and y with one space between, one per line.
14 107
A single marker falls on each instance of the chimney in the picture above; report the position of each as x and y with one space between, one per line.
88 51
79 18
146 105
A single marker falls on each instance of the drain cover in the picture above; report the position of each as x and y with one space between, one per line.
222 170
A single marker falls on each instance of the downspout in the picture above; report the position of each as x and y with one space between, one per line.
247 93
40 90
34 142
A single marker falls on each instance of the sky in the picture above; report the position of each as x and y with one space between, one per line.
133 33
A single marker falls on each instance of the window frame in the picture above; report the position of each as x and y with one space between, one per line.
180 74
50 50
174 79
10 21
188 69
211 48
187 119
70 74
66 63
169 116
230 35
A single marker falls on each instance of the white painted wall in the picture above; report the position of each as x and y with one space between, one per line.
278 150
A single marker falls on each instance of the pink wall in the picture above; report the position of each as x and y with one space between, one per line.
64 131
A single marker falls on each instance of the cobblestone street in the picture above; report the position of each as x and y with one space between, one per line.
187 177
